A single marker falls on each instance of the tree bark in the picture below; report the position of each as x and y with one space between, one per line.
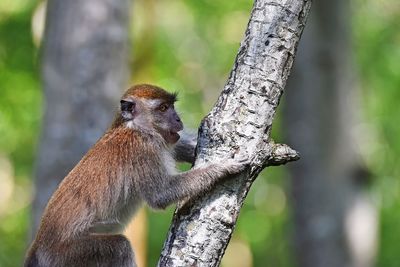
239 123
84 67
334 222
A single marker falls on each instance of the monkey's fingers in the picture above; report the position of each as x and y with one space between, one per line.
237 164
242 158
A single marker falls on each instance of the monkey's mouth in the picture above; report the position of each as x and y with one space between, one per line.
172 137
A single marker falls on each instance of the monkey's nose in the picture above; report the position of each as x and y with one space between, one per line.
177 118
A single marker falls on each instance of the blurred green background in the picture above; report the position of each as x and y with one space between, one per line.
163 53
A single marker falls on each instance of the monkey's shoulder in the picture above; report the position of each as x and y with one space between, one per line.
128 146
131 135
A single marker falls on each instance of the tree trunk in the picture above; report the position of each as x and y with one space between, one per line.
84 67
320 118
240 123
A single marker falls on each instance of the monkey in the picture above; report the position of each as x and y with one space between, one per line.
132 163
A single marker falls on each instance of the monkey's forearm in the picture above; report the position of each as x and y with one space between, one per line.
191 183
185 148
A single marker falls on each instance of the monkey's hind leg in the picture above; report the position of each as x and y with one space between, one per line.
102 251
94 251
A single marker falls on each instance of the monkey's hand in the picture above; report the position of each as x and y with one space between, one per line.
237 164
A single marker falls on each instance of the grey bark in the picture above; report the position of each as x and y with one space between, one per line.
239 123
84 68
329 207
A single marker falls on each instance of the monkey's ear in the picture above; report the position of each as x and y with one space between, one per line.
127 108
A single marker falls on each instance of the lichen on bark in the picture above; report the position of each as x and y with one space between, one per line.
239 123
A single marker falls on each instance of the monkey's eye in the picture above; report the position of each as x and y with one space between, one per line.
163 107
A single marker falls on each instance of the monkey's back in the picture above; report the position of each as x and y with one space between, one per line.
101 182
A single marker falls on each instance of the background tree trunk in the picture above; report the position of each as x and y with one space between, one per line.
84 68
240 123
335 223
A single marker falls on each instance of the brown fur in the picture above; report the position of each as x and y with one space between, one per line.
150 92
82 222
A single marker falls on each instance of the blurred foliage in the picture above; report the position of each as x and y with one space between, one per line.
20 110
376 27
189 46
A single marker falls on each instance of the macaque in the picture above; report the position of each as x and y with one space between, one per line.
133 162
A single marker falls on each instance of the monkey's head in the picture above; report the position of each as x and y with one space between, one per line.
151 107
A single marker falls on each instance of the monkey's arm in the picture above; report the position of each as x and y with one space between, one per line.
174 188
184 150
